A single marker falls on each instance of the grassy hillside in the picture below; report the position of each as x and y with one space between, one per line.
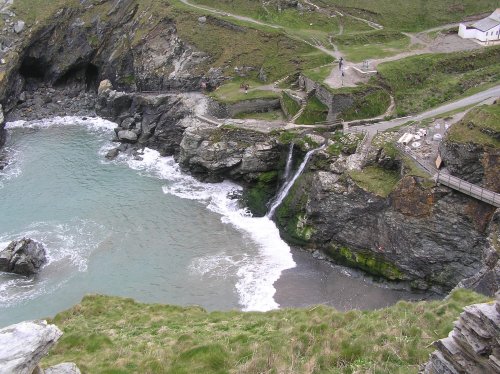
117 336
425 81
480 126
412 15
229 43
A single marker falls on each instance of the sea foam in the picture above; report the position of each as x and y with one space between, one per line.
256 274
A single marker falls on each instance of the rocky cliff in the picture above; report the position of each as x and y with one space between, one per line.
473 346
80 45
471 149
427 235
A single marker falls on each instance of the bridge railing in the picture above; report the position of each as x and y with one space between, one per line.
406 150
470 189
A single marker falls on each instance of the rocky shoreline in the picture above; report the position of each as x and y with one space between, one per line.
424 235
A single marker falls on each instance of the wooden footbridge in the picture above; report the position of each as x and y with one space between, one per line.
470 189
455 183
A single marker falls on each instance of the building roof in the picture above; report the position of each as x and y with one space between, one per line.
485 24
489 22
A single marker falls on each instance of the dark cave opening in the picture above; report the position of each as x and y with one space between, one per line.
85 76
32 67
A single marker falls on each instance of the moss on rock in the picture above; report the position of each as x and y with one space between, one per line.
365 261
257 196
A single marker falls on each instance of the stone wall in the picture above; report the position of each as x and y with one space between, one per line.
336 103
473 346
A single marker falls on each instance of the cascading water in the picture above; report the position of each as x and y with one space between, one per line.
288 185
288 167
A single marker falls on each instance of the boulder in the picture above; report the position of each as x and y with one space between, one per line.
105 85
112 154
24 257
128 123
64 368
127 136
23 345
19 27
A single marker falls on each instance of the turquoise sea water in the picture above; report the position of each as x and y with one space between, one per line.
133 227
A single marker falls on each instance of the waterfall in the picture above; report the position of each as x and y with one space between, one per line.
288 185
288 167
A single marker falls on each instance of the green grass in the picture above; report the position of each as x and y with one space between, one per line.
273 115
372 44
319 74
291 106
368 104
115 335
412 15
480 125
315 111
376 180
33 11
288 18
423 82
232 93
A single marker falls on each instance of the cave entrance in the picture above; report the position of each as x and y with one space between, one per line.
84 77
92 77
33 68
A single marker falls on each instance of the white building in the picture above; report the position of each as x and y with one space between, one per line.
485 30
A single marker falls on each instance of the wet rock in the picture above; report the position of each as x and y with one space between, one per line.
127 136
427 238
23 345
127 123
23 257
112 154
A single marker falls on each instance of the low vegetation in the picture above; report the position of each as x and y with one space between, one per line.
291 106
480 125
273 115
232 92
315 111
412 15
318 74
376 179
372 44
425 81
369 102
116 336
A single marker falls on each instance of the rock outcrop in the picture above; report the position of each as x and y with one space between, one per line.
473 346
154 121
23 257
64 368
23 345
83 44
428 236
215 153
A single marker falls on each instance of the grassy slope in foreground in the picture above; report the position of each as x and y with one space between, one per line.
425 81
114 335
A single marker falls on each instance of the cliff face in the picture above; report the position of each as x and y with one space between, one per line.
429 236
82 45
471 149
215 153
